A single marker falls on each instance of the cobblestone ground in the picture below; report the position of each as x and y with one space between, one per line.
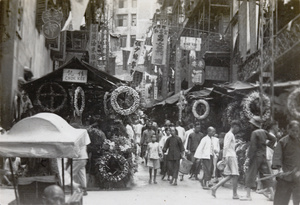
187 192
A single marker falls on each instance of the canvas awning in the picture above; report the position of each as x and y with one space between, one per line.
44 135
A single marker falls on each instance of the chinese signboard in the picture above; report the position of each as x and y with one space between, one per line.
198 73
51 18
160 41
216 73
74 75
93 45
135 54
190 43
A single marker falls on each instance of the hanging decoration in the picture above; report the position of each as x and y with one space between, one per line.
254 98
51 97
293 103
78 91
113 167
181 104
194 109
128 91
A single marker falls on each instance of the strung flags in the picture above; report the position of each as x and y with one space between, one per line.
160 42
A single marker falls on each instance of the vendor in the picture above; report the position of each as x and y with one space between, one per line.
8 176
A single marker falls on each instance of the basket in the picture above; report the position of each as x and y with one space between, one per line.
185 166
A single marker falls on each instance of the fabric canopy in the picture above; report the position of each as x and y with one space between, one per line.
44 135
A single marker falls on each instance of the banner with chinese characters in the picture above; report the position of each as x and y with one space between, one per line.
198 72
160 42
190 43
135 54
93 45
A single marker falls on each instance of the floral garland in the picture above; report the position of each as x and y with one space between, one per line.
39 94
117 107
230 109
104 169
78 91
105 104
292 103
250 98
196 103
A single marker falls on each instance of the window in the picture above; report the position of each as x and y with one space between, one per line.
133 19
122 4
122 20
134 3
123 41
132 39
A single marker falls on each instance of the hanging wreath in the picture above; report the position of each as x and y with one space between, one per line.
51 97
292 103
247 101
78 91
113 167
194 109
117 107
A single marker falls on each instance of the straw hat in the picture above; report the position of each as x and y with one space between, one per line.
221 165
256 121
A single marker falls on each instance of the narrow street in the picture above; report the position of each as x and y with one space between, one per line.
187 192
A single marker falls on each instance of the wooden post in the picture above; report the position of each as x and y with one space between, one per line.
165 71
178 68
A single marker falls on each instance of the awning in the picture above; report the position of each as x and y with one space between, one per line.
238 85
44 135
172 99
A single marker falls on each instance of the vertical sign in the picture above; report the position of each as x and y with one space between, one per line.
160 41
198 72
93 44
135 54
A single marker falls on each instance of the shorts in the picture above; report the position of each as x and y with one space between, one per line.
153 163
232 167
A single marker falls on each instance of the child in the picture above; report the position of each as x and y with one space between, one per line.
153 154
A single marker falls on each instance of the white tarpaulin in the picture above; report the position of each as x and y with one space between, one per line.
44 135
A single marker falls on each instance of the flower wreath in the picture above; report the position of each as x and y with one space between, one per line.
51 85
196 103
250 98
78 91
292 103
104 169
117 107
230 110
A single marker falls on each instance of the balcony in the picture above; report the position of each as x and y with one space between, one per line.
286 42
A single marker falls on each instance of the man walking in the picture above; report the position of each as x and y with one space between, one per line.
193 142
256 158
286 157
175 149
204 153
231 170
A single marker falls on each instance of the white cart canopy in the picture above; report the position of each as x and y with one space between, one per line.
44 135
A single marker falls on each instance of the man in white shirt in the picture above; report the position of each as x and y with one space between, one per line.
205 153
137 127
229 156
180 131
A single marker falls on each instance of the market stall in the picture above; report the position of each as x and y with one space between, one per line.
46 136
92 99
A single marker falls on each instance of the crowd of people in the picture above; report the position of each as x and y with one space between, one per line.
271 167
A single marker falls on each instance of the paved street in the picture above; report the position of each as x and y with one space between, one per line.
187 192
